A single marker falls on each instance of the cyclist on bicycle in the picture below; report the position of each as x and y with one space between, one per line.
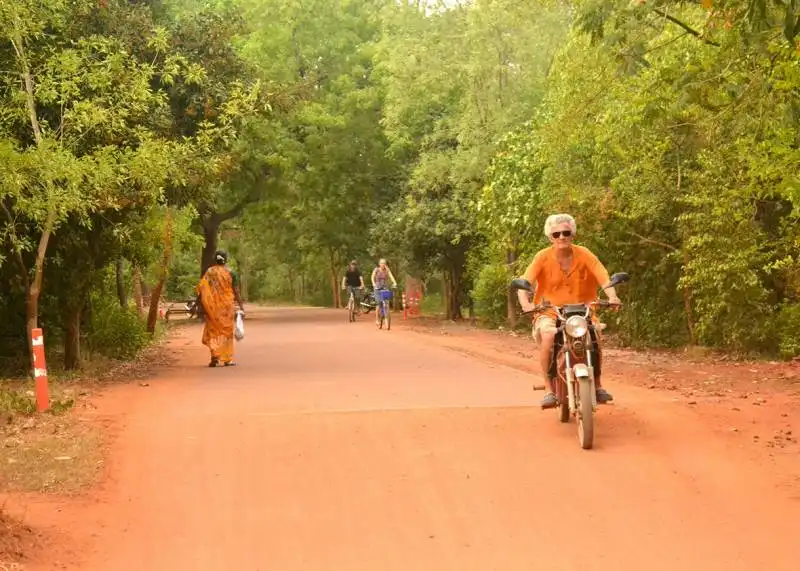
353 281
381 275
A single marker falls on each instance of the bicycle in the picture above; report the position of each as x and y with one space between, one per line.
352 305
384 296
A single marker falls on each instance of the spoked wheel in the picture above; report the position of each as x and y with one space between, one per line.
380 311
585 416
351 309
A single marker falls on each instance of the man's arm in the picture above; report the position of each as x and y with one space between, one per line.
361 277
600 273
532 275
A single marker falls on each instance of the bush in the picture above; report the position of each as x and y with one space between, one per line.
16 402
115 332
788 330
491 294
432 304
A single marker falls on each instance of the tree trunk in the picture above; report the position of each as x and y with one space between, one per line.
687 306
454 296
211 236
447 292
155 296
291 287
511 298
34 287
335 289
243 279
122 293
72 340
32 320
137 289
145 292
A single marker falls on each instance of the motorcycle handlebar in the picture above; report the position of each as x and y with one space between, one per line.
544 306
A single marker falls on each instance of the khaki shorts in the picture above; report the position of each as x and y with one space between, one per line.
547 323
543 323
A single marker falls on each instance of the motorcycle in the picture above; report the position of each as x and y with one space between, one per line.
574 358
194 308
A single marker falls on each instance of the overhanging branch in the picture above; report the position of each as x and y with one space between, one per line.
686 27
17 254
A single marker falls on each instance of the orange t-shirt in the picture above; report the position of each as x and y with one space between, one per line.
579 285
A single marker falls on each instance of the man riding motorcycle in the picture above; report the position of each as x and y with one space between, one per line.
563 273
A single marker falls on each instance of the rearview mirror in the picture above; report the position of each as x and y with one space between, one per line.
520 283
616 279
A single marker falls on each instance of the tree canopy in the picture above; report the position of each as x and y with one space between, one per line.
137 137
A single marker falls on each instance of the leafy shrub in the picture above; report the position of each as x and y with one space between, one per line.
788 330
491 294
432 304
16 401
115 332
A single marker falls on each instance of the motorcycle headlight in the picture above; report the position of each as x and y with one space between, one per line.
576 326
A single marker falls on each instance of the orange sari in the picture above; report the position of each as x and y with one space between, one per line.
216 295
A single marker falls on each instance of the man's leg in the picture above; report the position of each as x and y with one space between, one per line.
603 396
545 331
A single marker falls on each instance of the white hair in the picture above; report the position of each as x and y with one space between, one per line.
556 219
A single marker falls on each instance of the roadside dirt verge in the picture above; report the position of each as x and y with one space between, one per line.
16 540
59 453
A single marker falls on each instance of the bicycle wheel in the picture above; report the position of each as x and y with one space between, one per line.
351 308
381 314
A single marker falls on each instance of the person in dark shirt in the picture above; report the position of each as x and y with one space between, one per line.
353 282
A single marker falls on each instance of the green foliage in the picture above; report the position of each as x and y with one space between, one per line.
299 134
787 326
491 294
676 150
115 332
14 401
433 304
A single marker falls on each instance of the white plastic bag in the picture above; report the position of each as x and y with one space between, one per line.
238 329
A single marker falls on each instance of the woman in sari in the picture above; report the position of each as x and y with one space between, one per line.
218 290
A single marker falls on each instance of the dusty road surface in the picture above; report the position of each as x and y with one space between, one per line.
336 447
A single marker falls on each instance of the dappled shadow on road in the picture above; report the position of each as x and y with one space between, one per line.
255 313
295 315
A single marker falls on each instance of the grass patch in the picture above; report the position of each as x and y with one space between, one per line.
14 401
50 454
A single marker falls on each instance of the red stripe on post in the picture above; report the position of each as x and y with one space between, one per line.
40 371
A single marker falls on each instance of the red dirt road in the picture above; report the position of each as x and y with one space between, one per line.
336 447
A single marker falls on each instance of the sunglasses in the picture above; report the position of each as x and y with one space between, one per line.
565 233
